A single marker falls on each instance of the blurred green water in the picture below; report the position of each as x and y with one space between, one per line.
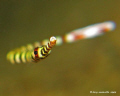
72 69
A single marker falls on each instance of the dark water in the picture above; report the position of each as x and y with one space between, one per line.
72 69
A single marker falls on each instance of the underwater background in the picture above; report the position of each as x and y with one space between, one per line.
73 69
